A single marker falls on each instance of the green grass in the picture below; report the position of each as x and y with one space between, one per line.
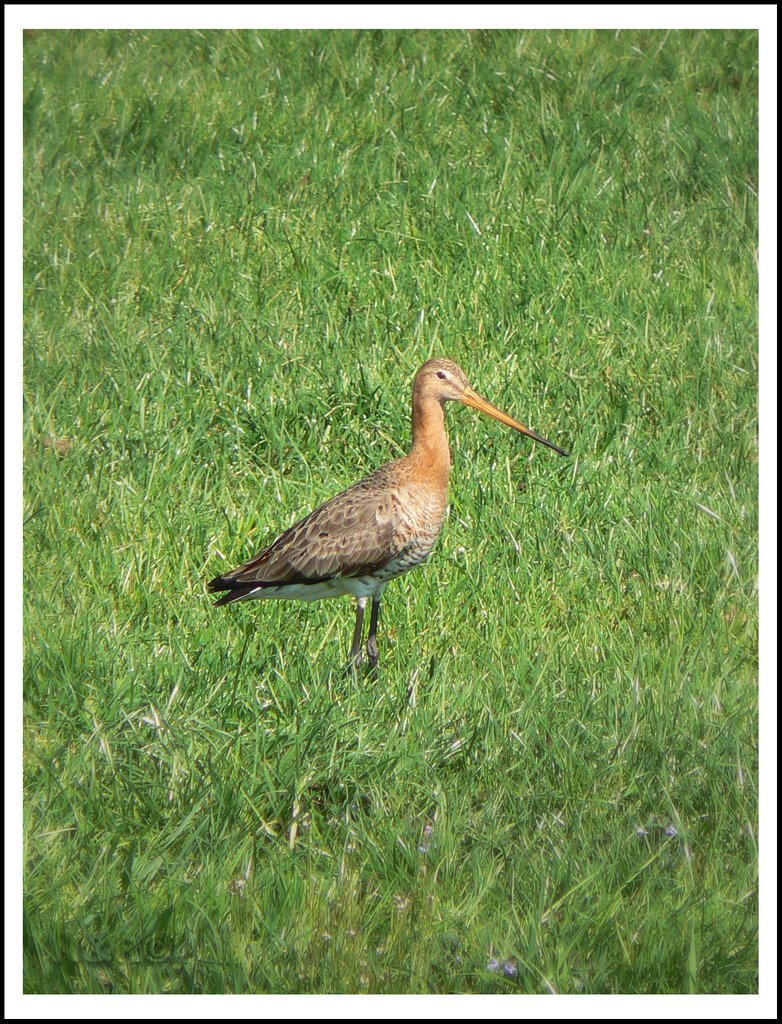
239 247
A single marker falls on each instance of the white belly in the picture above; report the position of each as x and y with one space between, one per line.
361 586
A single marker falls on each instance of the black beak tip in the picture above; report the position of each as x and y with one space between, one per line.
555 447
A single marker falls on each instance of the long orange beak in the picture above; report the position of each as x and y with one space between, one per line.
470 397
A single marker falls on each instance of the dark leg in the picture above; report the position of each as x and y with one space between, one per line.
355 650
372 649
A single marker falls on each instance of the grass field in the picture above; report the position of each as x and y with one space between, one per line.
239 247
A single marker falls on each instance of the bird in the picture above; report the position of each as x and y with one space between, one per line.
381 527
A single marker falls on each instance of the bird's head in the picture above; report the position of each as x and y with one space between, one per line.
443 381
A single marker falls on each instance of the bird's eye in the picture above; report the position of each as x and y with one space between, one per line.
442 375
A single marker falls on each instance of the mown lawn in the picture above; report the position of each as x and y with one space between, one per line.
239 247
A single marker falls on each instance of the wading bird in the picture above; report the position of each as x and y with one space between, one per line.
377 529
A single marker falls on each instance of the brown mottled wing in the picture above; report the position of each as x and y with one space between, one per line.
351 535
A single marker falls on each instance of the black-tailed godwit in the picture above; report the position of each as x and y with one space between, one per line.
377 529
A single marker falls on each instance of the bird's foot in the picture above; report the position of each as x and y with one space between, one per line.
358 661
354 663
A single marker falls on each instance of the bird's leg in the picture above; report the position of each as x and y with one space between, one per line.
372 650
356 656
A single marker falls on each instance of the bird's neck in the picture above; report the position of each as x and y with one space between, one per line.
430 452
